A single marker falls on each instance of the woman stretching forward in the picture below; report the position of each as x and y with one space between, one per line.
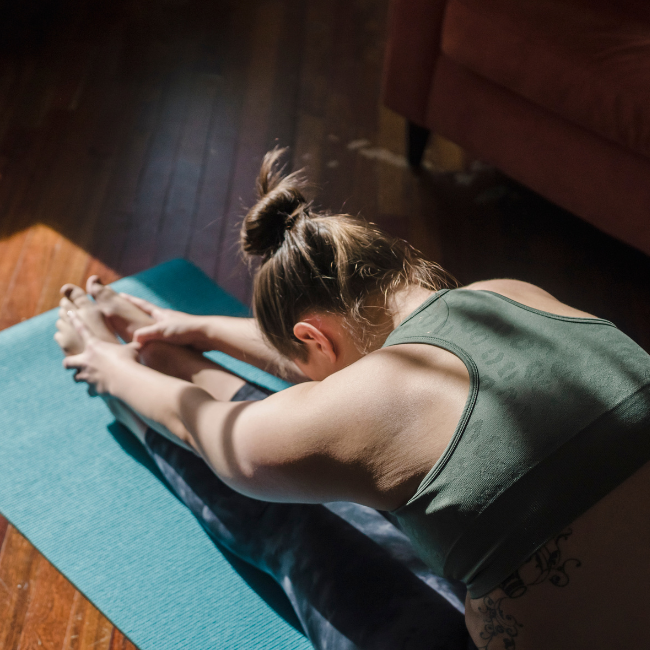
508 433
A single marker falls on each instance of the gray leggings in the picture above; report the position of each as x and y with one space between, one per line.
351 576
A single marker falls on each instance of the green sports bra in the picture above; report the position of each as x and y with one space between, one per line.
558 414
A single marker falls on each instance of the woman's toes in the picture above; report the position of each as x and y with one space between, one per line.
100 292
65 305
93 283
67 337
89 312
76 295
124 317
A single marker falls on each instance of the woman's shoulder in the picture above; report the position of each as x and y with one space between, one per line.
528 294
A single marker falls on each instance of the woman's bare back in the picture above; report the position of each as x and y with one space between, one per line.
436 382
584 588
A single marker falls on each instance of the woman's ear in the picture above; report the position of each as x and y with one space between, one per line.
319 345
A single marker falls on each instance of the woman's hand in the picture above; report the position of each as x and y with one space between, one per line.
97 364
170 326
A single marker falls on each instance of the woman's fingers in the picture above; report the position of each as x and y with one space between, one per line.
73 361
147 307
136 346
66 288
65 304
148 333
80 326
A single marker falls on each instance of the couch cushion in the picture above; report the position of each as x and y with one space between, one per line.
585 60
596 179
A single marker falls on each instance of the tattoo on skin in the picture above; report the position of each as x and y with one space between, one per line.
545 564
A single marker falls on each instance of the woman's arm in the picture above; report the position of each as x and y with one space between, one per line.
238 337
241 338
300 445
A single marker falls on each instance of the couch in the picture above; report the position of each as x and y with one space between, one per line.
555 93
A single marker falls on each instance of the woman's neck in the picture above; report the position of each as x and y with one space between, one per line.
405 301
397 307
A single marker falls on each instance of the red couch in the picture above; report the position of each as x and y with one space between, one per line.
556 93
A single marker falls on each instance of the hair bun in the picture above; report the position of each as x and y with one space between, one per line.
281 202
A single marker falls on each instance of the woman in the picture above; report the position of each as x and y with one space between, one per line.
507 432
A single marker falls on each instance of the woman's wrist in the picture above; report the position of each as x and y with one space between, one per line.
149 393
206 338
210 331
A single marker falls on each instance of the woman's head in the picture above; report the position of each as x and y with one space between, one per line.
320 263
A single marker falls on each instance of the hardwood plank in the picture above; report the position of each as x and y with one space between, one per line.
212 200
87 628
111 232
119 144
35 179
340 119
179 211
97 267
216 183
286 83
198 190
308 151
424 221
69 264
81 211
24 290
9 76
141 242
31 154
76 61
61 201
316 55
15 150
120 642
50 604
319 102
338 158
444 155
390 175
20 80
10 252
98 126
231 271
4 526
17 562
361 81
33 103
310 127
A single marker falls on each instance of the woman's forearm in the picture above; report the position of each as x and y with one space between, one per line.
188 412
154 396
241 338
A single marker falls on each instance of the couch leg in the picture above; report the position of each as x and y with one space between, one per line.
416 142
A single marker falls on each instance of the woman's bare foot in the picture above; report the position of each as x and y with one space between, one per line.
75 299
123 316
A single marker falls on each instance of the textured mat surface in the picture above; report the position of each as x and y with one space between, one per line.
80 488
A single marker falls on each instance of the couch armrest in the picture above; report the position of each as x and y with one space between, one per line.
412 48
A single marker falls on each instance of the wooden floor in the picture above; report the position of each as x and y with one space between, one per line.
132 133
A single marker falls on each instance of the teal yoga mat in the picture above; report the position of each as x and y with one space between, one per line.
82 490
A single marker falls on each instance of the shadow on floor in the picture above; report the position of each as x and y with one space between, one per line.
263 585
489 226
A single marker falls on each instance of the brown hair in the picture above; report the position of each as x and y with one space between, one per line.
321 262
